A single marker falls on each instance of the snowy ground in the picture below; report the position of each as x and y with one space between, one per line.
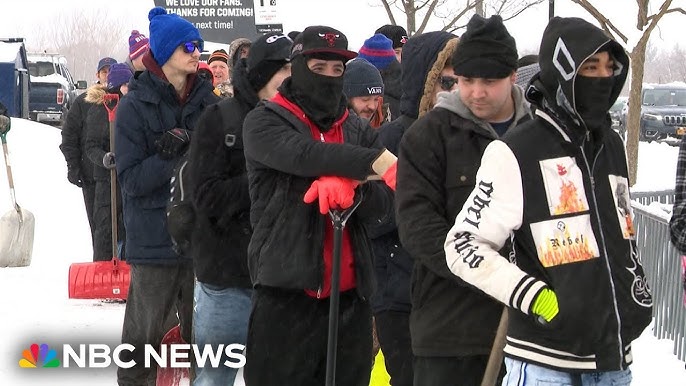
34 307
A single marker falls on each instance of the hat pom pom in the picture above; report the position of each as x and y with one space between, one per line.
135 32
156 11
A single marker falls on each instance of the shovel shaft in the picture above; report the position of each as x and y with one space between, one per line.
332 344
111 102
10 179
495 360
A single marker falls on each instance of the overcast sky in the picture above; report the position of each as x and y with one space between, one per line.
356 18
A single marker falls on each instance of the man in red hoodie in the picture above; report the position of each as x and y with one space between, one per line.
303 146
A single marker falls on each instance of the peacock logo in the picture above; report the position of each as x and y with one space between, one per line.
39 356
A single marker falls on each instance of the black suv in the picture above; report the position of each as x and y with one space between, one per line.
663 111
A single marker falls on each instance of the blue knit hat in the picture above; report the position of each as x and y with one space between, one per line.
167 32
119 74
378 50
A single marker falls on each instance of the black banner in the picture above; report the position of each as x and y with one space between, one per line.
222 21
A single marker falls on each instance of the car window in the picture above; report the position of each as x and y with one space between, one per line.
41 68
664 97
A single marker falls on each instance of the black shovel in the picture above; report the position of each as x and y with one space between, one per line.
339 218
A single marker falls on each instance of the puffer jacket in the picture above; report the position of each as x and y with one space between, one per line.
564 191
425 57
150 108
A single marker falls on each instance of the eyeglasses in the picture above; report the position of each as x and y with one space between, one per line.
447 82
189 47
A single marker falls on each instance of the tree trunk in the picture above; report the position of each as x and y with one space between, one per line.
411 13
480 8
633 121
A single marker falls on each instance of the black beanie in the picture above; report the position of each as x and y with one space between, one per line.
485 50
267 55
394 32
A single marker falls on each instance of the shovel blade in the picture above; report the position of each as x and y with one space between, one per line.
16 238
99 280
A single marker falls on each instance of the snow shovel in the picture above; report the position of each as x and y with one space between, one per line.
103 279
339 218
495 359
17 225
169 376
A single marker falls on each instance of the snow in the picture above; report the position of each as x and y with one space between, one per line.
9 52
34 307
52 78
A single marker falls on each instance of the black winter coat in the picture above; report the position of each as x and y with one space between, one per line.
219 187
74 138
392 88
283 159
439 157
97 136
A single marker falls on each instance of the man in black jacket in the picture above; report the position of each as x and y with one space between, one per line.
427 71
576 289
301 146
74 131
219 190
452 325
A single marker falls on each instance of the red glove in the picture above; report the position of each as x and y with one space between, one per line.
389 176
332 192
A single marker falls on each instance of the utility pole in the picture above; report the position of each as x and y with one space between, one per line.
551 9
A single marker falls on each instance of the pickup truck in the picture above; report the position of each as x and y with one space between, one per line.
52 89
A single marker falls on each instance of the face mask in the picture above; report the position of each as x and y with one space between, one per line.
593 100
319 96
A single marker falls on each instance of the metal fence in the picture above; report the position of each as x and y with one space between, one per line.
662 264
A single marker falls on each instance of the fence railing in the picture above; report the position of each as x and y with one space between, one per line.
662 265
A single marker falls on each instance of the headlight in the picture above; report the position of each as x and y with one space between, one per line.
651 117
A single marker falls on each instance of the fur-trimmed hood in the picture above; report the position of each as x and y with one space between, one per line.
424 57
95 94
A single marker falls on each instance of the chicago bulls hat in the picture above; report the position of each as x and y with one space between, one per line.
322 39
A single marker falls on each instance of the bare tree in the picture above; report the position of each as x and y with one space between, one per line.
451 13
646 23
83 37
676 63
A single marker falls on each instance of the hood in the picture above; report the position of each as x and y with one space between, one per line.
391 76
663 110
242 89
235 46
566 44
451 101
424 57
96 94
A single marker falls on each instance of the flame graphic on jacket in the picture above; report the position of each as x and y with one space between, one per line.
562 248
569 198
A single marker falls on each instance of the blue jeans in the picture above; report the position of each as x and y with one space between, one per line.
527 374
220 316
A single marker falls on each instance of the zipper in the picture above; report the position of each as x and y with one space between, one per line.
590 170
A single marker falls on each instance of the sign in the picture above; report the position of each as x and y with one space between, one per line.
219 21
266 17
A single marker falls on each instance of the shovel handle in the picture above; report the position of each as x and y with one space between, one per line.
10 179
111 103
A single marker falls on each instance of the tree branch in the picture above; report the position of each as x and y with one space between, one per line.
654 19
470 5
388 11
680 10
427 16
605 23
518 12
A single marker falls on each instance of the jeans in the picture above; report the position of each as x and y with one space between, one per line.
527 374
220 316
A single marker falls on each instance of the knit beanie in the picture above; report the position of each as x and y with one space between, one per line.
378 50
525 73
268 54
486 50
167 32
138 44
396 33
361 79
119 74
219 55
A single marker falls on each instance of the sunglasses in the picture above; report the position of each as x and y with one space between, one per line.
447 82
189 47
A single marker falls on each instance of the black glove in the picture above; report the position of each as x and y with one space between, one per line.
173 143
108 160
74 176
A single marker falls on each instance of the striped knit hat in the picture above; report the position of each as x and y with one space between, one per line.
138 44
220 55
378 50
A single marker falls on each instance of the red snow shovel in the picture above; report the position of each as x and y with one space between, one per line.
172 376
17 225
103 279
339 218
